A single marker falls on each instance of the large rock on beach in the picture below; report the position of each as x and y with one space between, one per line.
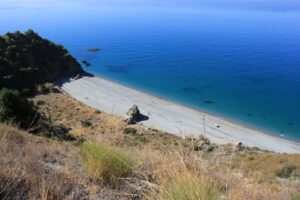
132 115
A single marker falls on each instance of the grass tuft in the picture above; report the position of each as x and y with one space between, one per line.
190 188
130 130
105 163
86 123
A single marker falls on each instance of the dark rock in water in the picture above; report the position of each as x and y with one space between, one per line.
48 129
86 63
133 115
249 115
94 49
290 123
209 102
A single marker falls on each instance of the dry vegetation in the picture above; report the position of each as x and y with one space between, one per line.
113 161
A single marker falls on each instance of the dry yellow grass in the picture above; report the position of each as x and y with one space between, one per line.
65 110
166 167
36 168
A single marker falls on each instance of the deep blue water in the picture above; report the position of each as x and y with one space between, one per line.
245 61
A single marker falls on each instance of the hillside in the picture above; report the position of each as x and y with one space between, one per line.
111 160
26 60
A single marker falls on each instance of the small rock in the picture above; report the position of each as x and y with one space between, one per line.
199 145
55 89
217 125
238 145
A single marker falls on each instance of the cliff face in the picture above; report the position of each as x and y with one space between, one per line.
26 59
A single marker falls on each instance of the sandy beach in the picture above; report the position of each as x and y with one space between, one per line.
168 116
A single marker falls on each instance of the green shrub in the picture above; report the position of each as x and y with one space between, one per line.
40 103
211 147
86 123
16 109
44 88
286 171
97 112
204 139
105 163
129 130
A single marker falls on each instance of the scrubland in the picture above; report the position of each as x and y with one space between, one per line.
111 160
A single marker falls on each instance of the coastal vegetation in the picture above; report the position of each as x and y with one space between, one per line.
111 160
28 60
104 162
16 109
29 64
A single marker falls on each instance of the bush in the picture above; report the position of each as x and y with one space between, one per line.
97 112
105 163
129 130
204 139
86 123
286 171
16 109
44 88
40 103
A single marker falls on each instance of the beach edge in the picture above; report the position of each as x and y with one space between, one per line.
169 116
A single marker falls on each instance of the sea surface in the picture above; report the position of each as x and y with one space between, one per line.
241 64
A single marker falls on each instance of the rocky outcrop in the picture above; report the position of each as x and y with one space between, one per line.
132 115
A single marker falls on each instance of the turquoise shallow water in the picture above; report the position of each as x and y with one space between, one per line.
241 64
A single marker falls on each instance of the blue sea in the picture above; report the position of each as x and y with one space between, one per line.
241 63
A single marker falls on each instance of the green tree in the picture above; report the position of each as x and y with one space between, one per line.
16 109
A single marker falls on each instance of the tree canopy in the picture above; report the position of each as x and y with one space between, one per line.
16 109
26 59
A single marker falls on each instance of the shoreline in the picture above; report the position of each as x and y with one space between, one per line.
203 111
169 116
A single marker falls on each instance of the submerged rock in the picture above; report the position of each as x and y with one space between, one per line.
94 49
209 102
86 63
132 115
